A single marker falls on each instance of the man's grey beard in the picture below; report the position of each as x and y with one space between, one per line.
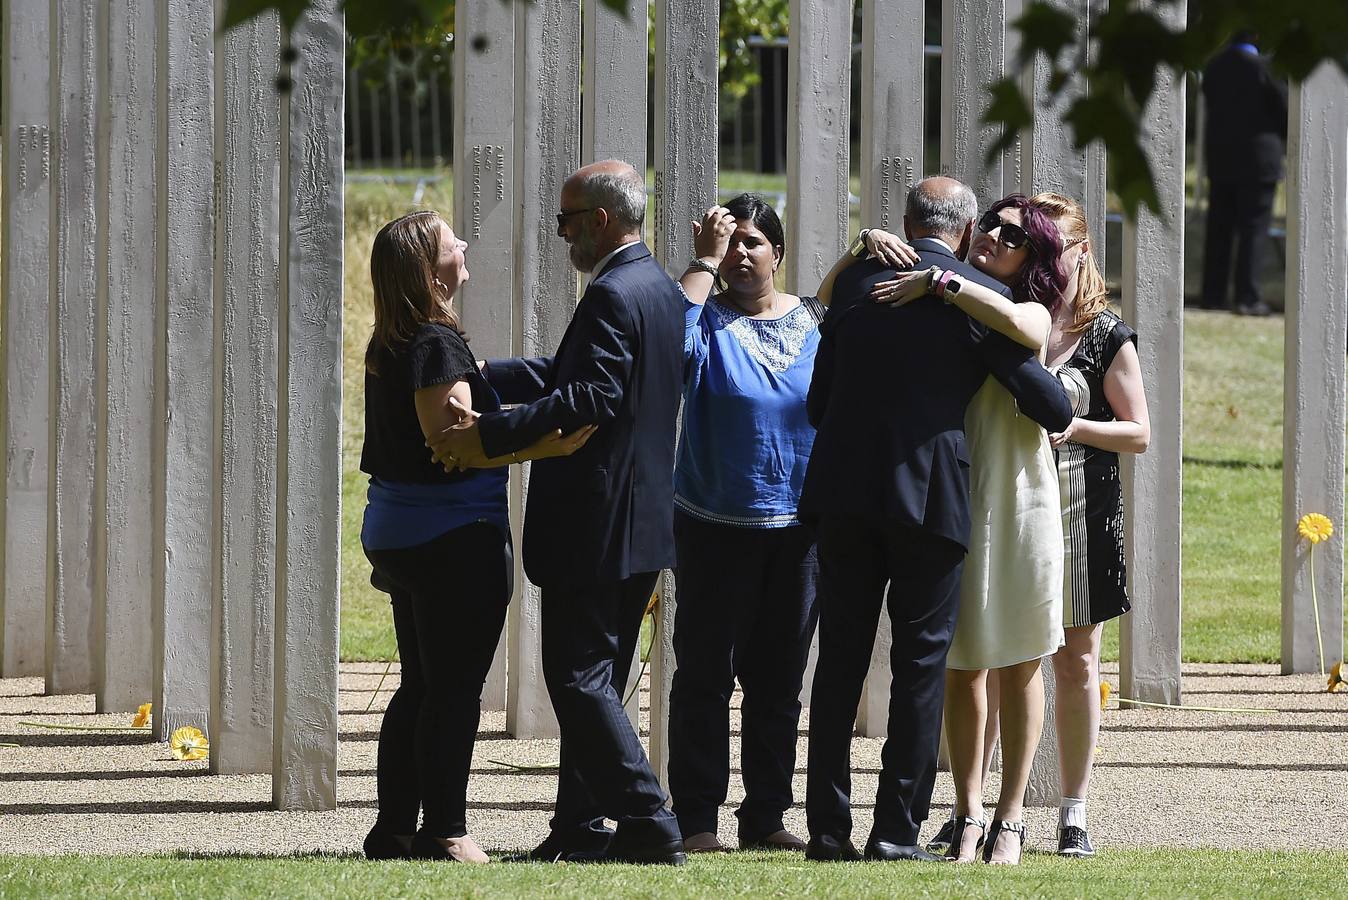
583 253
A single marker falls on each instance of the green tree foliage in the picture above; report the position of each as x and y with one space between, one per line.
1129 42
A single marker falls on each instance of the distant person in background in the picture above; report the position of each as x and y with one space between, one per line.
1246 130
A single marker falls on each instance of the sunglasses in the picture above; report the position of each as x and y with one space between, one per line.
1011 236
568 213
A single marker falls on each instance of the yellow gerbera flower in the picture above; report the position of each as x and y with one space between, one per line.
189 743
1315 527
1336 677
1104 695
142 718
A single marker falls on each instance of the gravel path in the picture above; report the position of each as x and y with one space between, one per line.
1163 777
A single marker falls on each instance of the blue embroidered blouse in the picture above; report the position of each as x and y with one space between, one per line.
746 440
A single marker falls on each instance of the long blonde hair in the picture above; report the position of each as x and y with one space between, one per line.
1092 296
402 272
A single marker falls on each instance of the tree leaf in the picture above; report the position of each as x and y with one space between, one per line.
1044 28
1008 109
240 11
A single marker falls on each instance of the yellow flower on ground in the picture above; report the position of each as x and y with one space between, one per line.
1315 527
142 718
1104 695
189 743
1336 677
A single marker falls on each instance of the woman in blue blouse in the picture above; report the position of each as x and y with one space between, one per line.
439 542
746 566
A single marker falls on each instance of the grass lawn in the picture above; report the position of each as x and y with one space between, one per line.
1232 469
1202 873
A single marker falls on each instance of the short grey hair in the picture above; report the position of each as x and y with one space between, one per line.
934 207
621 193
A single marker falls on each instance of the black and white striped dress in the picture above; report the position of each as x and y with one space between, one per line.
1095 583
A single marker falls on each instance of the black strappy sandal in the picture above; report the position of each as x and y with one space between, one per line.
998 826
957 836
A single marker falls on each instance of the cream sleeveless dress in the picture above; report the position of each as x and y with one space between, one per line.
1011 592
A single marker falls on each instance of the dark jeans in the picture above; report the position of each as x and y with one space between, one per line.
590 634
1238 211
856 558
745 610
449 605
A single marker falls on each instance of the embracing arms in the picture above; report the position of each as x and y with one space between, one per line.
1027 324
1130 432
444 408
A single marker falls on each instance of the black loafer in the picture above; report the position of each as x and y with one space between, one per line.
827 848
381 844
887 851
669 853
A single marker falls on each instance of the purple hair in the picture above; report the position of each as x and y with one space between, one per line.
1040 279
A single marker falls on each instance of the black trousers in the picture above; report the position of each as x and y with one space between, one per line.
746 610
1239 212
449 606
856 558
590 634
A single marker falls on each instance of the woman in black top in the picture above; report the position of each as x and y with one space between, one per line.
439 542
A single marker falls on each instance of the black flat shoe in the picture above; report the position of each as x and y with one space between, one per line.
827 848
591 847
887 851
957 836
381 844
426 847
998 826
940 843
1074 842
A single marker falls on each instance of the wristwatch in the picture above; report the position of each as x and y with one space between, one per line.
952 287
858 248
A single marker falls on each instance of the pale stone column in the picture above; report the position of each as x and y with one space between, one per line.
309 478
547 139
1153 302
25 259
127 246
892 142
973 46
73 648
613 126
184 464
818 119
1313 393
247 272
687 38
484 209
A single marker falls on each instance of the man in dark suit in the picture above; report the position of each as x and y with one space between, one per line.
1243 141
598 526
887 491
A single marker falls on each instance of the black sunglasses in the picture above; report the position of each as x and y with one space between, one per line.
568 213
1011 235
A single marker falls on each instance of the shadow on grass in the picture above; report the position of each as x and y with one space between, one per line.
77 739
1233 463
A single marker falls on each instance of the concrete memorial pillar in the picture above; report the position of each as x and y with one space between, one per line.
973 55
547 139
1153 302
247 273
892 145
73 649
1313 394
1050 163
484 210
184 461
818 119
687 40
124 353
309 479
613 126
25 260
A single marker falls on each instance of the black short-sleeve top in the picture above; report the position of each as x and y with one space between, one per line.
395 449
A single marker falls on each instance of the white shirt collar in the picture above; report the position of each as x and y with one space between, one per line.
932 237
599 266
